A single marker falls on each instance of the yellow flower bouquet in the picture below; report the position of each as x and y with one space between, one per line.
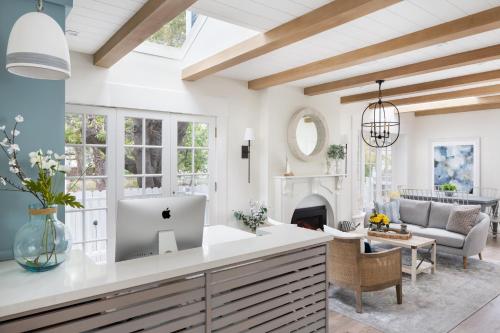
377 221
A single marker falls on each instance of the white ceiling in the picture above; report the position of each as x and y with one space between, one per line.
97 20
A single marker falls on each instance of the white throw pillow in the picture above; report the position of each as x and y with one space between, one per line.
345 235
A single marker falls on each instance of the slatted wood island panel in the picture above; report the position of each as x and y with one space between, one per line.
281 292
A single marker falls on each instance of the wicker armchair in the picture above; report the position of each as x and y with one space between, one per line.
349 268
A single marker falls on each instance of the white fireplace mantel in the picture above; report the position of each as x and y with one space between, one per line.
290 192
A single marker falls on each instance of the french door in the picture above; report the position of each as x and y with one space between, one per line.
161 154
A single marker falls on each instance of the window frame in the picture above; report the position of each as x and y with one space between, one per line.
110 145
170 52
381 174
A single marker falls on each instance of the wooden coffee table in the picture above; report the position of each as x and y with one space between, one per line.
414 243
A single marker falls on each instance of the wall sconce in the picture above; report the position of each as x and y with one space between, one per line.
245 150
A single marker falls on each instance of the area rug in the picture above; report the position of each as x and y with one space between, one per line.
436 304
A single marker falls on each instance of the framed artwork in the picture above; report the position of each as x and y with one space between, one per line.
456 161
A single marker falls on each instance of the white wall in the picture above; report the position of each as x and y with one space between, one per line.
482 124
145 82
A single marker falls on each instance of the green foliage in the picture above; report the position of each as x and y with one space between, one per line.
449 187
73 129
336 152
171 34
256 216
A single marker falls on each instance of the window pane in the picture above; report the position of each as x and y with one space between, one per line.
201 135
201 161
75 188
95 225
184 183
173 33
133 131
153 132
153 185
74 221
74 160
95 161
95 193
184 161
133 161
73 129
201 184
95 228
184 134
153 160
133 186
96 129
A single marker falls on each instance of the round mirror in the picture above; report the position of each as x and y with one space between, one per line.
307 133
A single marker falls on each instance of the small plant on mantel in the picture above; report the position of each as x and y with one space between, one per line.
256 216
336 153
42 243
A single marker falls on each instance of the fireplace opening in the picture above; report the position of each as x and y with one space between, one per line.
310 218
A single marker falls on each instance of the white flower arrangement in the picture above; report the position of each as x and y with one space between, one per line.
49 165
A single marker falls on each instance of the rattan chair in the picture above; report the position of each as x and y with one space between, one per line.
361 272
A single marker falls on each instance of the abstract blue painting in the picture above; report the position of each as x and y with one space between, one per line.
455 163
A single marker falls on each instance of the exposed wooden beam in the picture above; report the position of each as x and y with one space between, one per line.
326 17
426 86
459 28
432 65
483 103
148 20
471 92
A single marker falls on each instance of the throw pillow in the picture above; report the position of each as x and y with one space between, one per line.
391 209
463 219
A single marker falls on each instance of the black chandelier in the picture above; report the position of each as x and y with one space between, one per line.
380 127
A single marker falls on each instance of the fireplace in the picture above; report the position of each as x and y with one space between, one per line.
310 218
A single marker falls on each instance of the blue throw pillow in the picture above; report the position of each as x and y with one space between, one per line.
391 209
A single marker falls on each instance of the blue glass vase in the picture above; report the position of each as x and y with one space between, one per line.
44 242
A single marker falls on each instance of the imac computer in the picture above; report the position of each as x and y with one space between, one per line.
141 223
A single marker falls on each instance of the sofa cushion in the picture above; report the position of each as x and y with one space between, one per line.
463 218
439 215
391 209
442 237
414 212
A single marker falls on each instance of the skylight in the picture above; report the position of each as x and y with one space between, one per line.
174 38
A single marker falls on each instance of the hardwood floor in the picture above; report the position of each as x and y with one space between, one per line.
485 320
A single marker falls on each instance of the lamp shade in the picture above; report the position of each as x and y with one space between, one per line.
249 135
38 48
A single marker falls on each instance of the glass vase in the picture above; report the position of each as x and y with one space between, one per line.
44 242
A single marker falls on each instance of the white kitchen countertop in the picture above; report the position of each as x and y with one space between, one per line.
79 277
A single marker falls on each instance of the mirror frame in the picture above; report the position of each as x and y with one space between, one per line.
321 126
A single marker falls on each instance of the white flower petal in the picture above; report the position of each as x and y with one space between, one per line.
19 118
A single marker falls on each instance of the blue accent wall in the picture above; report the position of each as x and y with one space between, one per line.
41 102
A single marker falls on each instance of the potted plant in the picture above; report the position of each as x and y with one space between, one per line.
44 242
379 221
256 216
336 153
449 189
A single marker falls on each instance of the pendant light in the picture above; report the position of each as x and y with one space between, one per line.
38 48
380 122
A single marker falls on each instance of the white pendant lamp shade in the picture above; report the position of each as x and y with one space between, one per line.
38 48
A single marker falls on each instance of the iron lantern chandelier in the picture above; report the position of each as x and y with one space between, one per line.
380 122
